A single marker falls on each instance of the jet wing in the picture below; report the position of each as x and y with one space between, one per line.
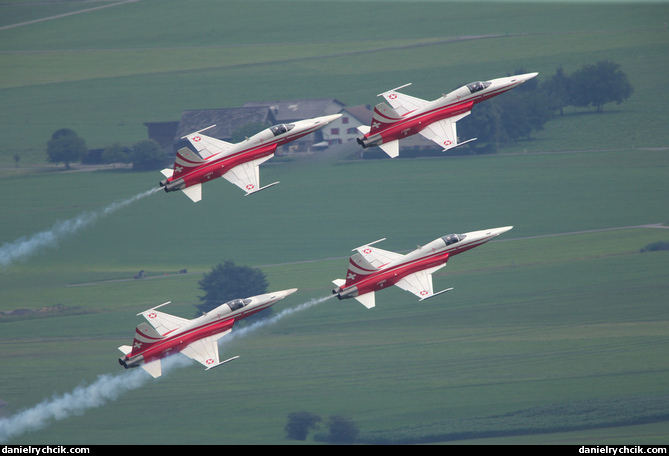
163 323
207 146
247 175
377 257
205 351
420 283
402 103
444 132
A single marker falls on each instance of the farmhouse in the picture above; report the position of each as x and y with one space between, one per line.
287 111
228 120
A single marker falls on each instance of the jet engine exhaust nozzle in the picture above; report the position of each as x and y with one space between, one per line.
178 184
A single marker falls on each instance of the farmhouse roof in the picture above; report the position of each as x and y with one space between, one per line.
227 120
362 113
292 110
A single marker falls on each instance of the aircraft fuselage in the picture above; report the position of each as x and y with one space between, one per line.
455 103
433 254
218 320
258 146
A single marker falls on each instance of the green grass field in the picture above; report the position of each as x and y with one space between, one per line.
555 333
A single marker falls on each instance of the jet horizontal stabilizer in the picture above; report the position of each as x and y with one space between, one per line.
367 299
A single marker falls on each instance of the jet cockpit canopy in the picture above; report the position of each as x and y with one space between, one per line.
453 238
281 129
236 304
476 86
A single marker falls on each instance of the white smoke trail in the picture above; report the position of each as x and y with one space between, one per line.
242 332
27 246
108 387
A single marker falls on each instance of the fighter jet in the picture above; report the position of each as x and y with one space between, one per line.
435 120
204 158
372 269
197 338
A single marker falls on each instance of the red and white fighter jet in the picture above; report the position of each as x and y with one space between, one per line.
372 269
197 338
208 158
435 120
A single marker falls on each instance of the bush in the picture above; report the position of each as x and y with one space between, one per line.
655 246
300 423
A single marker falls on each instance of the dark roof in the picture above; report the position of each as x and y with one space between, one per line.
227 120
292 110
360 112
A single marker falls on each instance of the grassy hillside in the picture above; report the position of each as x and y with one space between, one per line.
554 333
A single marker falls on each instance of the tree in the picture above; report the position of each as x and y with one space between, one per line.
300 423
227 281
556 89
598 84
342 430
508 118
66 147
114 154
146 155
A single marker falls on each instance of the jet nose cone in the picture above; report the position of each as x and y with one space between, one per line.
284 293
327 119
502 230
528 76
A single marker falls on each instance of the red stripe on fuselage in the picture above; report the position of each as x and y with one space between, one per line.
386 277
219 166
392 275
175 344
412 125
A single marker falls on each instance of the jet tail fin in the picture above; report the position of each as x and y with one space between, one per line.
186 161
357 266
145 336
383 117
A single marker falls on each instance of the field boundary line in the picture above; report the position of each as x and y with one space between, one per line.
59 16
